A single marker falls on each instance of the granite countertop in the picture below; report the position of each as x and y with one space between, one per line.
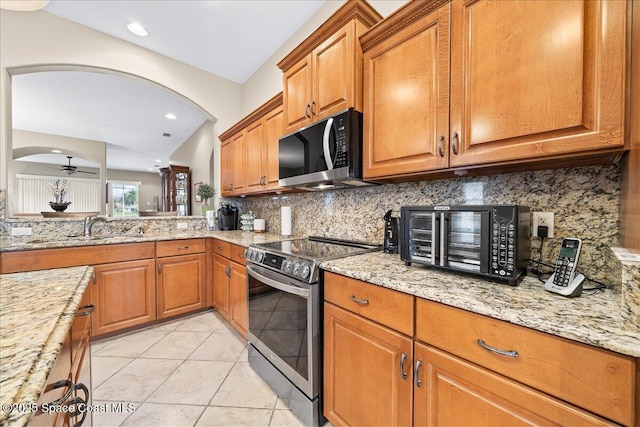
238 237
590 319
37 309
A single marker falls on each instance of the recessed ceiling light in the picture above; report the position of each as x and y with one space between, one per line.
151 169
23 6
170 116
158 161
137 29
57 151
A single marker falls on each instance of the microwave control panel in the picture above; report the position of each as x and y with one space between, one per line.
503 242
341 142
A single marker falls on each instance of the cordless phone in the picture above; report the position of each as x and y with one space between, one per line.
564 281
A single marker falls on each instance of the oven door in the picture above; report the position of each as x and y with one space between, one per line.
283 325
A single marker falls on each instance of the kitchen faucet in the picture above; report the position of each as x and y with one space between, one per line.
90 220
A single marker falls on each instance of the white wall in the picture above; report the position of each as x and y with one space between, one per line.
196 153
267 81
38 39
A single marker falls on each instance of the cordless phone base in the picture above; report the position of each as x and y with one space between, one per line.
574 289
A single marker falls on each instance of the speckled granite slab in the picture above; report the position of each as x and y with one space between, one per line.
36 312
591 319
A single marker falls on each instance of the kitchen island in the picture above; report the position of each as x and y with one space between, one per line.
37 310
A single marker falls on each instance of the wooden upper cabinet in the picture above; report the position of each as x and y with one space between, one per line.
249 151
406 99
323 75
535 79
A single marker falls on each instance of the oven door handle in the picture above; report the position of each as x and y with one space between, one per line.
278 285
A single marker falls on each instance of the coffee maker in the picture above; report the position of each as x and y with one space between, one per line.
390 244
227 218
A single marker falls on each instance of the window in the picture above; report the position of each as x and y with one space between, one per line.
34 195
125 199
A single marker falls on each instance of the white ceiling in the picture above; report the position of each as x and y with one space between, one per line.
229 38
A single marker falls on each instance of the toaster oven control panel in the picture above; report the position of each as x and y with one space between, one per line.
503 247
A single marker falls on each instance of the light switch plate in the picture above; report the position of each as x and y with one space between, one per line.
21 231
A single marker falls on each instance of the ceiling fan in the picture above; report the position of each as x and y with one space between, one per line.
70 170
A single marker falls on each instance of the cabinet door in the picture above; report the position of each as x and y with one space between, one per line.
297 95
124 295
180 284
221 272
334 63
273 130
536 79
406 99
226 168
238 298
238 161
363 371
455 392
253 168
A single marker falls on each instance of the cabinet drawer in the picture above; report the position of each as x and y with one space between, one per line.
390 308
237 254
179 247
598 380
222 248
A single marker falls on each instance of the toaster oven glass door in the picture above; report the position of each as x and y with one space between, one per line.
466 246
424 237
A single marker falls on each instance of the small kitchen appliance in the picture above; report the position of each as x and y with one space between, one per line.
493 241
285 317
323 155
227 218
390 233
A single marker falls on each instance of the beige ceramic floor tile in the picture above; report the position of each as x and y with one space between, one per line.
227 416
194 382
176 345
130 345
160 414
284 417
245 389
114 414
136 381
221 347
205 322
102 368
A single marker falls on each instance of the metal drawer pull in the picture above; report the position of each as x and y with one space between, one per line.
91 309
402 360
183 247
508 353
441 146
359 301
416 373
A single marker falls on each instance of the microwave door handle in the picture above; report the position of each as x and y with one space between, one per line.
278 285
444 239
325 144
434 237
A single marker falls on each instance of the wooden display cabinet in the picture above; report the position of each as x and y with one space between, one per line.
176 189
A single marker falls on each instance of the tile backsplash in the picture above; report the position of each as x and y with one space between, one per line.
584 200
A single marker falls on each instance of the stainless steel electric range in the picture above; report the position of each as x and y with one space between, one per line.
285 309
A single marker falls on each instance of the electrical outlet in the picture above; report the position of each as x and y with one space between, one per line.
181 225
545 219
21 231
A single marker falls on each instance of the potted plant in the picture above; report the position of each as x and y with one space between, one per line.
205 192
59 190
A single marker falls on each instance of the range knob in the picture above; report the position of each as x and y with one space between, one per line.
304 271
259 256
249 254
296 268
286 266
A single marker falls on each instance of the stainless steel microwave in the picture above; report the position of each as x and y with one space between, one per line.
489 240
324 155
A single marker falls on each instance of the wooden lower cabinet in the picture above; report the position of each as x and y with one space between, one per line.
180 284
364 381
230 285
124 294
452 392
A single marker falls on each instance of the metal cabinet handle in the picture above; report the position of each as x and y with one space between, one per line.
402 360
67 395
508 353
441 145
416 373
454 143
160 268
240 255
313 104
182 247
306 111
78 401
91 308
227 271
93 276
359 301
219 248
